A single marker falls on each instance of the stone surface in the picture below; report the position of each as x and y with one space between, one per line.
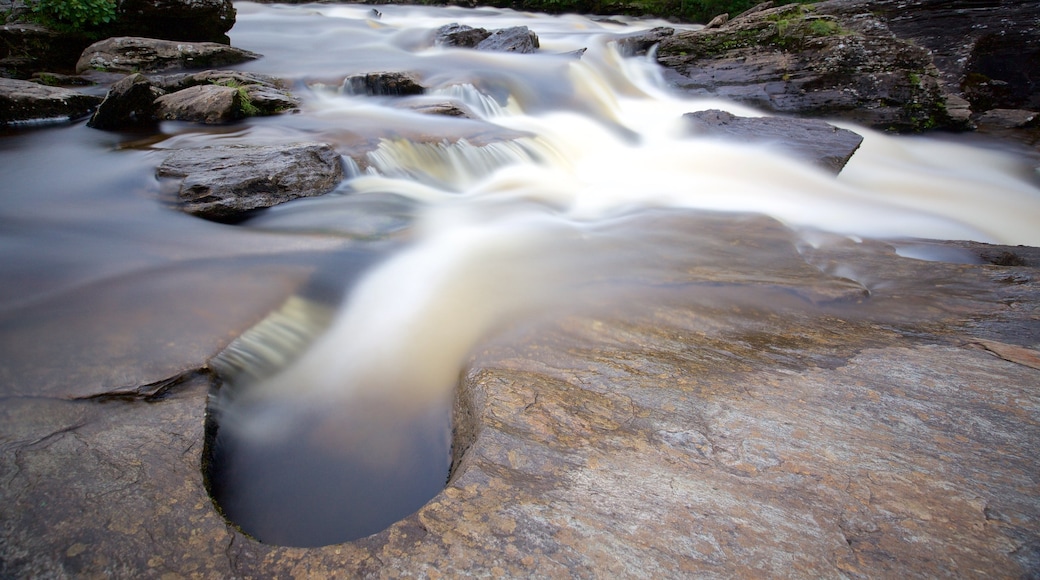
209 104
639 44
130 54
195 20
460 35
707 433
819 143
514 39
806 61
226 183
130 101
27 102
210 97
519 39
384 83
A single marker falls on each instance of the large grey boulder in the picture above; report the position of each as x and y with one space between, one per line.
28 102
130 54
811 140
130 101
209 104
227 183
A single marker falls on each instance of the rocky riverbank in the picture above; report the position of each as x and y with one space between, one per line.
819 422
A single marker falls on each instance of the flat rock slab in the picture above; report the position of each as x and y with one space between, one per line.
23 102
130 54
226 183
817 142
678 438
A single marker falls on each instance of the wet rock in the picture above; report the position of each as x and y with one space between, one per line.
205 97
460 35
384 83
24 102
814 141
209 104
52 79
193 20
226 183
639 44
130 102
802 60
28 47
134 54
518 39
514 39
686 438
1008 119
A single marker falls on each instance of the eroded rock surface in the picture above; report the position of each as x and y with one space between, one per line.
705 433
806 61
226 183
518 39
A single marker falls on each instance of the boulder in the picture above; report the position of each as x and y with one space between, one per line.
206 97
192 20
209 104
801 60
28 47
384 83
227 183
130 102
814 141
514 39
518 39
130 54
23 102
460 35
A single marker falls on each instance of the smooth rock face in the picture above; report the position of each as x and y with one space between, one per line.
27 102
460 35
819 143
130 54
696 436
209 104
225 183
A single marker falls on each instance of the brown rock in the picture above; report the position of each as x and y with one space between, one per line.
210 104
726 428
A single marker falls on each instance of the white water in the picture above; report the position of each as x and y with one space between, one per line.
501 229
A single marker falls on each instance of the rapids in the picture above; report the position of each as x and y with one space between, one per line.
436 244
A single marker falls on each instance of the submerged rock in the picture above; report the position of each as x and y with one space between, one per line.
129 54
24 102
817 142
227 183
384 83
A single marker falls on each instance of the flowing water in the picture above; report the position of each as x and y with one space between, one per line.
334 419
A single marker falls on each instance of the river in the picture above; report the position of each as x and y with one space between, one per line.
382 290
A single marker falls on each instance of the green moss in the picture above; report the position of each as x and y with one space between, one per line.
246 108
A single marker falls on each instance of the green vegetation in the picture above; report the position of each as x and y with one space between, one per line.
245 107
75 15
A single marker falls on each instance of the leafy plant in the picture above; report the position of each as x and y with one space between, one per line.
77 14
